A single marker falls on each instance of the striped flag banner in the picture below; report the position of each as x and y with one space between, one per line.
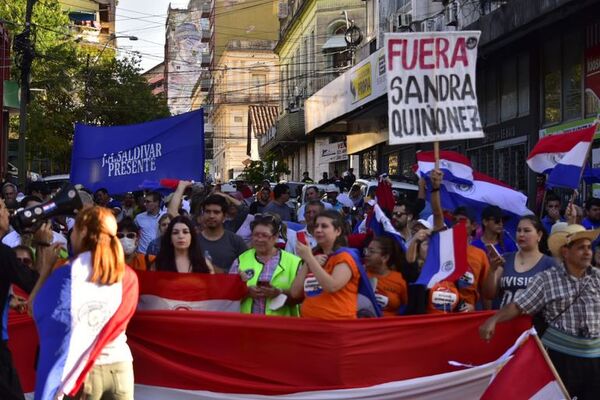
214 355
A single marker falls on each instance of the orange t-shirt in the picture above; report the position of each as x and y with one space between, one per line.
324 305
391 292
470 284
139 262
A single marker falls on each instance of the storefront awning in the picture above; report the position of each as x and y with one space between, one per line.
10 98
335 42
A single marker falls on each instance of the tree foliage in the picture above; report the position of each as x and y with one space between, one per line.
271 169
75 82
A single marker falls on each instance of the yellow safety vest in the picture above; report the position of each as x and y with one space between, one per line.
283 277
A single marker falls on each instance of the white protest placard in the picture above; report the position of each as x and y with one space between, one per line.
431 86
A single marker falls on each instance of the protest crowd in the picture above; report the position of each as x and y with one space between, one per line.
340 255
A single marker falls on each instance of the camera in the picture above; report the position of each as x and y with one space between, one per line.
65 202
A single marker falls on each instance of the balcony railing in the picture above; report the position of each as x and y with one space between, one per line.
206 9
206 32
206 58
248 98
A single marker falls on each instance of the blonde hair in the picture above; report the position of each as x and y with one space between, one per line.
108 260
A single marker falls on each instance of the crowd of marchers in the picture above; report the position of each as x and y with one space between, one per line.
309 261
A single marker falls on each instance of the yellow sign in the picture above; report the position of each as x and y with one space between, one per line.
361 83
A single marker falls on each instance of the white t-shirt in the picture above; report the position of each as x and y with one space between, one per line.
148 229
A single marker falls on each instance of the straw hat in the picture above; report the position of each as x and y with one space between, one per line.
563 235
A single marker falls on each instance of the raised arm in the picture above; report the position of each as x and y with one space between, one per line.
175 202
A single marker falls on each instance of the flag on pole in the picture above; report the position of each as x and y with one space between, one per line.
527 375
456 167
446 256
569 169
550 150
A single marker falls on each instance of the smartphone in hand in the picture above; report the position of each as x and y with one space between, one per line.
301 236
492 251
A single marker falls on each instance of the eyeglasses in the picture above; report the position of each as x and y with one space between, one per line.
128 235
25 260
262 235
371 251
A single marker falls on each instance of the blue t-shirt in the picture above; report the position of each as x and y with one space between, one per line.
589 224
509 245
513 282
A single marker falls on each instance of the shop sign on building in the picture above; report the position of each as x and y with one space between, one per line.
431 86
333 152
363 83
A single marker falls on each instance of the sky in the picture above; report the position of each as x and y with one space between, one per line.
146 20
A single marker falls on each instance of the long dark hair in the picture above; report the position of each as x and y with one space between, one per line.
391 248
337 220
539 227
165 260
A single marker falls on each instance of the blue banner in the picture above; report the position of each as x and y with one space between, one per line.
120 158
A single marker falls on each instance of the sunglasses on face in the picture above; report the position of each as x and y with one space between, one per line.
128 235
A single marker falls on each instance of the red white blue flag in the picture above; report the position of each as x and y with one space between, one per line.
446 256
567 149
76 318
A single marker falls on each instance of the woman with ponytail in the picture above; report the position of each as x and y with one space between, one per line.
81 311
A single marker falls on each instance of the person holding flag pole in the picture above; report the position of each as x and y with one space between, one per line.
567 296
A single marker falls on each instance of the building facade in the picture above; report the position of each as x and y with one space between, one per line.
245 75
187 53
536 75
91 20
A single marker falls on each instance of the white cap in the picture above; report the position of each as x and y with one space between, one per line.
425 223
331 188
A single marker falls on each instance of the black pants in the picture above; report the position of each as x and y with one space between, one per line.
10 387
581 376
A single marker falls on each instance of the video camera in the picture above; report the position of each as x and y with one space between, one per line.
65 202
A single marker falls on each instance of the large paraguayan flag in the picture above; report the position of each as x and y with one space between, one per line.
568 171
550 150
456 167
76 319
120 158
446 256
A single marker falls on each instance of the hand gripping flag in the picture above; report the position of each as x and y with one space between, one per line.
76 319
550 150
446 256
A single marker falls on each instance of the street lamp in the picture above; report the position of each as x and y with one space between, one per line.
111 37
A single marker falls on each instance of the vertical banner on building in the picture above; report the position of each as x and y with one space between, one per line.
592 78
431 86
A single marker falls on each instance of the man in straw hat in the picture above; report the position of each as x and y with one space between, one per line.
569 298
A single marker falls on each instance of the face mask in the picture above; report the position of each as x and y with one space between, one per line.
129 245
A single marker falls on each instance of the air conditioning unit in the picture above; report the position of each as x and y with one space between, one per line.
400 22
451 14
428 26
283 9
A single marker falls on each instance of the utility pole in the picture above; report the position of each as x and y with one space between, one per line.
24 48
